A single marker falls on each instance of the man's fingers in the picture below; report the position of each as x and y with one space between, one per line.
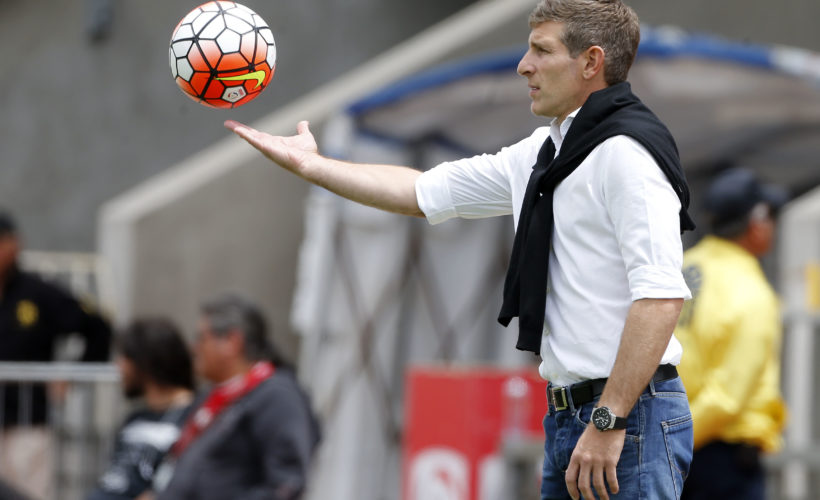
287 152
599 484
232 125
584 481
241 130
571 479
612 479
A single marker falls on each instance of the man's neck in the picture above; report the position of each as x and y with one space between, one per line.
593 87
239 368
162 398
747 243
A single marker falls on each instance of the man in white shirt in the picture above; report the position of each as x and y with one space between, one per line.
599 201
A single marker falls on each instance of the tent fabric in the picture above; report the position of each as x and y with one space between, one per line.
378 292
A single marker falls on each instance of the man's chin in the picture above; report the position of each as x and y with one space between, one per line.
537 111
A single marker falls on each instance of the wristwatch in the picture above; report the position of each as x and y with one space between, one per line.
605 420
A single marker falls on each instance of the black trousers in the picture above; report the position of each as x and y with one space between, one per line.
725 471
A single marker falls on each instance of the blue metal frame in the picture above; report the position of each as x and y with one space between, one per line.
663 43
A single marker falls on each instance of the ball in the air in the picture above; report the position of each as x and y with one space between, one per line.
222 54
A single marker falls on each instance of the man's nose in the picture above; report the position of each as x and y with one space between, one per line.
524 67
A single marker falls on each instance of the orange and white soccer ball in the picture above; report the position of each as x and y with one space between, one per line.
222 54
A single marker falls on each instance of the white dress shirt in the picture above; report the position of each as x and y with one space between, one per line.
616 239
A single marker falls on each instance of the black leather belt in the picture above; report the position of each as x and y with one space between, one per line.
586 391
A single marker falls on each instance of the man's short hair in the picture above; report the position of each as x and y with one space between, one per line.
158 351
7 224
230 311
609 24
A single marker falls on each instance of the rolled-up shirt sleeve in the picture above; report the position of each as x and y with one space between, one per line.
433 195
644 210
486 185
471 188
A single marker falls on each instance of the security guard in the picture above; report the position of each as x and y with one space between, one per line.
731 333
34 314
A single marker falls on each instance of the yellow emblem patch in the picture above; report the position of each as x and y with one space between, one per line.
27 313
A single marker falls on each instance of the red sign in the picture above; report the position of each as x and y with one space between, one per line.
456 420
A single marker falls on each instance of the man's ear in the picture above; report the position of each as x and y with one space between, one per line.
593 59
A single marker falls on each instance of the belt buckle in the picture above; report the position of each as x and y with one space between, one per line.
555 393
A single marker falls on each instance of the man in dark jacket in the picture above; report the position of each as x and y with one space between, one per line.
254 434
34 315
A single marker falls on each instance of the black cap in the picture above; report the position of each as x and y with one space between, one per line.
7 225
736 191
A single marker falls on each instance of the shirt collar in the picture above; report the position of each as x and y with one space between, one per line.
558 132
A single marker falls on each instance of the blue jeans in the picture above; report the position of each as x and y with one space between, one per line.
657 448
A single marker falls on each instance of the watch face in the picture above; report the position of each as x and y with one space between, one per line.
601 418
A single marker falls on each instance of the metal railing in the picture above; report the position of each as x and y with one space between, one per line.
85 407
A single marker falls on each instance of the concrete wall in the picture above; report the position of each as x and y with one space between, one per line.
233 234
83 121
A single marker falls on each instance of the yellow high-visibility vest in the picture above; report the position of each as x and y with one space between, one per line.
731 334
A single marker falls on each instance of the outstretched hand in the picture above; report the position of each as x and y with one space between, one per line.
291 152
387 187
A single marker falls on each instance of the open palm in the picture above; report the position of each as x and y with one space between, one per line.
291 152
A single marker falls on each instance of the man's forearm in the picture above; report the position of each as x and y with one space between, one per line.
387 187
648 328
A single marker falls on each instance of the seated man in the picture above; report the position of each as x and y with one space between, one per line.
154 364
254 435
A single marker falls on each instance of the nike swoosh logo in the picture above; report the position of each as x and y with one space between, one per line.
259 76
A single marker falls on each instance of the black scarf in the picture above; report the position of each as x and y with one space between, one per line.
609 112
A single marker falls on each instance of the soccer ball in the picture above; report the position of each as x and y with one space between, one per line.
222 54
